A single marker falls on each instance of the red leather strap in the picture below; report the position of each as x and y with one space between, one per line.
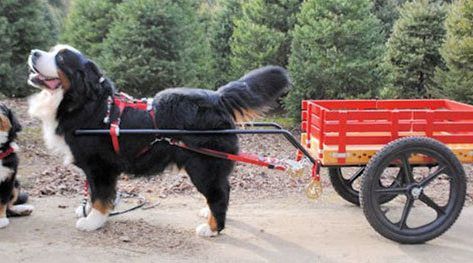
114 133
123 101
6 153
115 126
241 157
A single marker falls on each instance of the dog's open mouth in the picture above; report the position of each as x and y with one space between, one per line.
41 80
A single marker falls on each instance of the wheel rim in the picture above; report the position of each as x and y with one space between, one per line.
413 187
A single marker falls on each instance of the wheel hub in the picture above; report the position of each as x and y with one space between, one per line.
416 191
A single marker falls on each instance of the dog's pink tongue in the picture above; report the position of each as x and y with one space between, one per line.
52 83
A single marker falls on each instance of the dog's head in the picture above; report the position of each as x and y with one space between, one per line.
9 125
64 67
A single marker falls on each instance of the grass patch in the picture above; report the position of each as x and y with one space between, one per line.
285 122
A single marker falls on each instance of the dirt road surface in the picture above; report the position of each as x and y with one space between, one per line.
282 229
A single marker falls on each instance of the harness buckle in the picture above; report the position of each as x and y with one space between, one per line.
160 139
149 104
115 128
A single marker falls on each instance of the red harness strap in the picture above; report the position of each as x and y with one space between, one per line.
242 157
123 101
6 153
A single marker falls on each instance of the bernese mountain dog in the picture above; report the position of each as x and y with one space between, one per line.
75 95
9 186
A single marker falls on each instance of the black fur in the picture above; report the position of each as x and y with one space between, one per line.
8 186
84 106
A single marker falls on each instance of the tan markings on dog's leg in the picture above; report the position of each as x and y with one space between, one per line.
15 194
5 124
3 211
96 218
66 84
213 222
102 207
3 216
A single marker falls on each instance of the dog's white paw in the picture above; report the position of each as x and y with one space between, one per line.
93 221
205 231
24 210
4 222
80 210
204 212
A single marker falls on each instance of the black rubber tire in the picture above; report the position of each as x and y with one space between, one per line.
345 189
451 211
341 186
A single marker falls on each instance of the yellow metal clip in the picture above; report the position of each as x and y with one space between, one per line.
314 189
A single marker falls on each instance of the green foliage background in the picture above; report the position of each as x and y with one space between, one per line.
336 52
456 80
412 51
334 49
24 25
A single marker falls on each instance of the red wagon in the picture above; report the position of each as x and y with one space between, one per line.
400 159
408 153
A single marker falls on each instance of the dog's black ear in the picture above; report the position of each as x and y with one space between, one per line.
84 85
94 72
96 78
76 95
15 124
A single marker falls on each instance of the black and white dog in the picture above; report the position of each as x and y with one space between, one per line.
9 186
74 96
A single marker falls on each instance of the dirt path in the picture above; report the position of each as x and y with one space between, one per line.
269 230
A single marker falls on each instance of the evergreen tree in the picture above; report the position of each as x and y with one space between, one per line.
153 45
87 25
388 12
24 25
221 31
457 80
261 36
412 50
336 50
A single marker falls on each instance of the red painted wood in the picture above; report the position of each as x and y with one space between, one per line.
343 123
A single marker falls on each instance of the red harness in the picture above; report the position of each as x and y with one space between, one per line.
6 153
123 101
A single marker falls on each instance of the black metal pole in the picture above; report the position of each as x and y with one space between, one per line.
279 130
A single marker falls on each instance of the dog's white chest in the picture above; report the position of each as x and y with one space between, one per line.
44 106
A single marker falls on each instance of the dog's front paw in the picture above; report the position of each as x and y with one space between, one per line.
22 210
93 221
205 231
204 212
82 211
4 222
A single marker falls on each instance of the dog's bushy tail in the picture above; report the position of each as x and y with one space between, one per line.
254 93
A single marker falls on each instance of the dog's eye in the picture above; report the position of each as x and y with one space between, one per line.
60 58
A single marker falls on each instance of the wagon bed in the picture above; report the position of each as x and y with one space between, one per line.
350 132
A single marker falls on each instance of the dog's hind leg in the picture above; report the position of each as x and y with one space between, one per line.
210 176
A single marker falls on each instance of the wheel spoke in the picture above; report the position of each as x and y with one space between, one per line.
428 201
405 213
384 191
432 176
355 176
406 169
